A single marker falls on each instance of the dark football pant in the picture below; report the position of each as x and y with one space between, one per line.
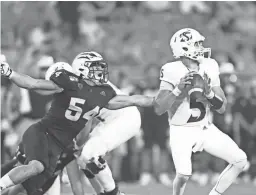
39 145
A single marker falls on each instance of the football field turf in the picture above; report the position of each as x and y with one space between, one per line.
156 189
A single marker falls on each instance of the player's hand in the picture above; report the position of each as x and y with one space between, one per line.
77 149
5 69
186 80
207 86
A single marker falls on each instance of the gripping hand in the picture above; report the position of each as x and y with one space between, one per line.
5 69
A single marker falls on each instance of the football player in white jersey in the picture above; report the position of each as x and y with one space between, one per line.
190 129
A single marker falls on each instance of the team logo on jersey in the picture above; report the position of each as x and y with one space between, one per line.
72 78
103 93
80 85
57 74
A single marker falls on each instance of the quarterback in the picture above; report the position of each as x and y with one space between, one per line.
188 103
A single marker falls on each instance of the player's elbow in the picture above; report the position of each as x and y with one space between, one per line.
223 107
221 110
33 85
158 108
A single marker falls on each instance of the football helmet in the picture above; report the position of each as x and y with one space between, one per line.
2 58
45 62
91 66
188 42
57 66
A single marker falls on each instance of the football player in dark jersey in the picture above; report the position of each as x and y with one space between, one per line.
113 130
52 186
77 98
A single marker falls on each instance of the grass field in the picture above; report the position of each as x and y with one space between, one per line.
156 189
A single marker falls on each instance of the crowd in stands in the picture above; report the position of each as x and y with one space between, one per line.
134 38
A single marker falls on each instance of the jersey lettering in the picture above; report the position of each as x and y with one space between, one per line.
74 111
92 113
200 107
57 74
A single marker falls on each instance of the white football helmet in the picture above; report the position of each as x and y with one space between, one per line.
57 66
2 58
91 66
188 42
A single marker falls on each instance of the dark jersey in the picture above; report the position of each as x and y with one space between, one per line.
38 110
74 106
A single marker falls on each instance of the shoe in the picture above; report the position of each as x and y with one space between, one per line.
164 179
145 179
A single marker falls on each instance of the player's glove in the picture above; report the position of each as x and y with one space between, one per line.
207 85
5 69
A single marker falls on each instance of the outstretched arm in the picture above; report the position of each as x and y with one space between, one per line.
122 101
170 97
27 82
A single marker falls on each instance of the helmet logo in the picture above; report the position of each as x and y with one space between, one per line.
185 36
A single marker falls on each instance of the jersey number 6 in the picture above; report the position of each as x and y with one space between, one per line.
74 112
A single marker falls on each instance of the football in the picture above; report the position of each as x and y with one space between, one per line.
197 87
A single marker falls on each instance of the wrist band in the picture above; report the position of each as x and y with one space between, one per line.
176 91
10 74
215 101
210 95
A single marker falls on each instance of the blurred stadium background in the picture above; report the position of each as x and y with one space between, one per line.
134 38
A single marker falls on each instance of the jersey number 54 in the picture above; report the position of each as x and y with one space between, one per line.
74 112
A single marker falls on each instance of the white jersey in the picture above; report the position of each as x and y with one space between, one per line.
189 113
105 114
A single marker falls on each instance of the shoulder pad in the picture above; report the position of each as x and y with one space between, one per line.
171 72
111 92
212 65
117 91
64 79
